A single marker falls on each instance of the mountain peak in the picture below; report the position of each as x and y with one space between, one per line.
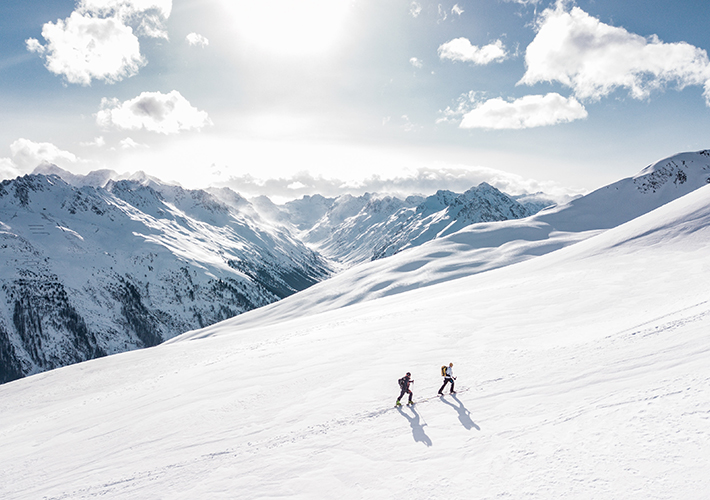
675 171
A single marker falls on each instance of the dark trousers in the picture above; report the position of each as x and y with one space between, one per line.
405 391
446 381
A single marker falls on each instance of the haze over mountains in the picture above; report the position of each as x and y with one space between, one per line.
578 337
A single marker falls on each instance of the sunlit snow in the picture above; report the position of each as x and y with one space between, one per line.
582 373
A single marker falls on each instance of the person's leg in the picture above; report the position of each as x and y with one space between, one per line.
401 394
410 395
441 391
452 386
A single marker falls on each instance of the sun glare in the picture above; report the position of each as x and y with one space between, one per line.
289 27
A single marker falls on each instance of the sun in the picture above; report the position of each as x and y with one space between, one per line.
289 27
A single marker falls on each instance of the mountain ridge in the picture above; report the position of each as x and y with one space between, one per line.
91 271
191 258
483 247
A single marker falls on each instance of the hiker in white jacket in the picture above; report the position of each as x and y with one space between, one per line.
449 377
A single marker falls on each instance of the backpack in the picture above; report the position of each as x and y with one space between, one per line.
443 371
402 383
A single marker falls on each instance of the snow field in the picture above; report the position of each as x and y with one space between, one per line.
586 369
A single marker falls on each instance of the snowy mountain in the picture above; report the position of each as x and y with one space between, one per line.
352 229
445 213
582 373
90 271
105 264
482 247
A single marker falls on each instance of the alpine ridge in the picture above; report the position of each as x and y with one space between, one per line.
485 246
352 230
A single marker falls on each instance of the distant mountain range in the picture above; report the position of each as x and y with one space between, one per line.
351 230
95 265
486 246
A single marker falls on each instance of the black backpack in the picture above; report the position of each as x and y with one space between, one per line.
402 383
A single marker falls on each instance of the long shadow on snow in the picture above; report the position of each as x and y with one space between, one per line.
464 414
417 428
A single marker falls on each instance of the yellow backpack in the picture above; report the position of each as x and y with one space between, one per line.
443 371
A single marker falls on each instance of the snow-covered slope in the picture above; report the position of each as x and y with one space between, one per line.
89 271
486 246
582 374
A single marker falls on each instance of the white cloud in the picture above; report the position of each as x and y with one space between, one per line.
464 104
83 47
442 13
126 7
26 154
98 142
146 16
33 45
129 143
153 111
99 40
417 63
423 180
594 59
457 10
8 169
460 49
197 39
415 9
408 126
526 112
296 185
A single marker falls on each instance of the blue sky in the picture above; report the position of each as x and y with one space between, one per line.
290 97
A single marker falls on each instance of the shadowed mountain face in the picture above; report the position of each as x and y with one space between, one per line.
90 271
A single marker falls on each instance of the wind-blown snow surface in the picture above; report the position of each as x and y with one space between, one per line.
584 373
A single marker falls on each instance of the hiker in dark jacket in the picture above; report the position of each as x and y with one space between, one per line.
448 377
404 385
